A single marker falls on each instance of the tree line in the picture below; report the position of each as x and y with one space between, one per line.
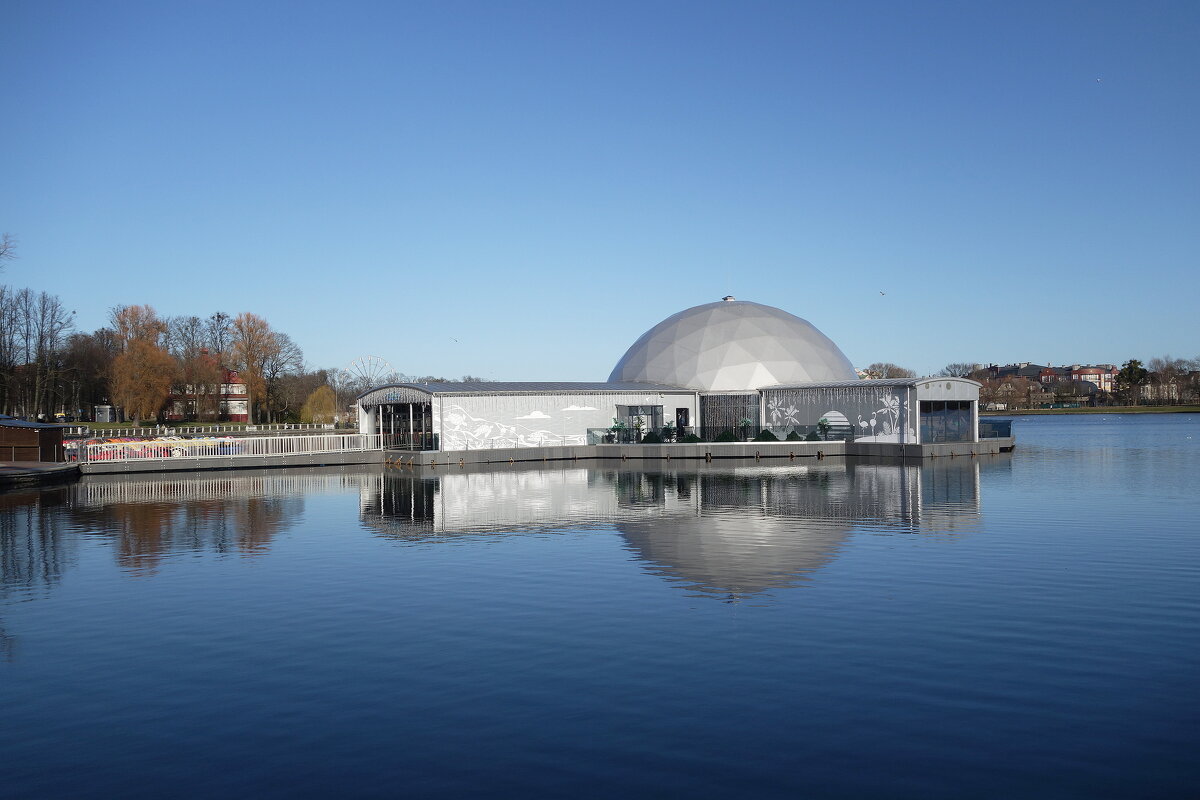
1162 380
142 362
151 366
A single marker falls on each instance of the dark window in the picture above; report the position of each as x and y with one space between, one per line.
946 421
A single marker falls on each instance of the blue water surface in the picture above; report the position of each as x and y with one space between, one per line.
1023 625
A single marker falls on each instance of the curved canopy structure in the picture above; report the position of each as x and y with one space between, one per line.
733 346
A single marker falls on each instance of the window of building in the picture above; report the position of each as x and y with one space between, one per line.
647 418
946 421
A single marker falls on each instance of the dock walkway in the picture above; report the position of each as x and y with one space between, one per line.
34 473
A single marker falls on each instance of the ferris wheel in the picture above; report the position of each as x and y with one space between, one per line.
369 370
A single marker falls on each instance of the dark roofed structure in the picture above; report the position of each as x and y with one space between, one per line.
30 441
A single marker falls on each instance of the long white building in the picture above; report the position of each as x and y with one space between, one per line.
730 367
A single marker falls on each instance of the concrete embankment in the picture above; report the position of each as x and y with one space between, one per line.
703 451
34 473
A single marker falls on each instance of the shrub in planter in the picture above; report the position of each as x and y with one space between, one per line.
726 436
795 437
692 438
651 438
766 436
812 437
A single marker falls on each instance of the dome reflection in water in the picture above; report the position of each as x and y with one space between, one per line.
730 530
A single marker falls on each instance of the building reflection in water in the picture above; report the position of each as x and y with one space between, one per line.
149 517
725 529
33 553
221 512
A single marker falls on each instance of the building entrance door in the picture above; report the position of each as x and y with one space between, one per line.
682 421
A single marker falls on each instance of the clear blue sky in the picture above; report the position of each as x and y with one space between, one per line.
520 189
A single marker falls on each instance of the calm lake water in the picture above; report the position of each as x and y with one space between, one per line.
1025 625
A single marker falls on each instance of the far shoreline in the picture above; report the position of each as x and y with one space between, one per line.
1189 409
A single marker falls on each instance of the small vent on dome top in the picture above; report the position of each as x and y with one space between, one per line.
728 297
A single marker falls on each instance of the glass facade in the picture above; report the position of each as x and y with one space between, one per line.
946 421
641 418
407 426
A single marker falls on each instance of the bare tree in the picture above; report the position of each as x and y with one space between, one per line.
9 346
340 380
199 372
50 324
87 363
219 335
1015 391
1168 378
293 391
885 369
185 335
33 331
958 369
284 357
8 249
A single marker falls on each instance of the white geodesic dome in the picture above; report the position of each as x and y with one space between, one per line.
732 346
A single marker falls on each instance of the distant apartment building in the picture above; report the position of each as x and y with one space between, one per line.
1103 376
1095 378
1081 383
1168 391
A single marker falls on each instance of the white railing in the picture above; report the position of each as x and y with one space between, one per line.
192 430
243 446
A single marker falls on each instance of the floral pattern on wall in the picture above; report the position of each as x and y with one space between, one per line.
884 424
782 414
868 414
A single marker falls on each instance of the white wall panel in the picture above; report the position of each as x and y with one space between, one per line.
476 422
